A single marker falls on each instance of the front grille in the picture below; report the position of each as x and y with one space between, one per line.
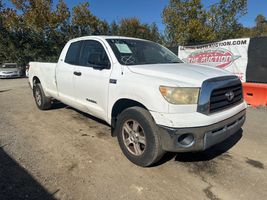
219 97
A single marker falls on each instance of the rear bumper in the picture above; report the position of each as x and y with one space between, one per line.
203 137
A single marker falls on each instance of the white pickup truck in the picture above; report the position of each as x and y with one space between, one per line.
153 101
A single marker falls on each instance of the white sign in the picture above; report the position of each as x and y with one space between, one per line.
231 55
123 48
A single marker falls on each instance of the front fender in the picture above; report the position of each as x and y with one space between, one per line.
149 97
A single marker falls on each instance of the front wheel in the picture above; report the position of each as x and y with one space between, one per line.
138 137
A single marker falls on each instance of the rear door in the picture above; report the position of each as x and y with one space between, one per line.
91 84
65 74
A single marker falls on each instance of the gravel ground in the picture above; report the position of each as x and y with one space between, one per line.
65 154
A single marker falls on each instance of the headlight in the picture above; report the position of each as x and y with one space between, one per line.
180 95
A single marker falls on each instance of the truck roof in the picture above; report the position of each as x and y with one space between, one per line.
104 37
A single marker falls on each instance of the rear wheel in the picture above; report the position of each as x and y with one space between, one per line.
138 137
43 102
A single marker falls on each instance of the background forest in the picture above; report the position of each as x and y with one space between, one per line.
37 30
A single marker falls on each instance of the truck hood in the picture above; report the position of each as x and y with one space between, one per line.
180 73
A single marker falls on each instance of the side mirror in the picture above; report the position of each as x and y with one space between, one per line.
96 61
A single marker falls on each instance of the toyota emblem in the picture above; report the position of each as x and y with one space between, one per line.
230 95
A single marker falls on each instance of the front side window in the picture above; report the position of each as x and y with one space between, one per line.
139 52
93 55
73 53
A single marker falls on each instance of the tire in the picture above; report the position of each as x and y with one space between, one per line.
138 136
42 102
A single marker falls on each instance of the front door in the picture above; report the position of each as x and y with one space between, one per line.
92 81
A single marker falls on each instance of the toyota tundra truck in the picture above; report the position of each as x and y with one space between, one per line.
153 101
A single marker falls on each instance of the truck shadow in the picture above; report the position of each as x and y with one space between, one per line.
58 105
88 116
206 155
17 183
2 91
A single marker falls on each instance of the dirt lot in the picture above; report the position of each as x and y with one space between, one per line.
64 154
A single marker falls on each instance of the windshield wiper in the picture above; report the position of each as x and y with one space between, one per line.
174 62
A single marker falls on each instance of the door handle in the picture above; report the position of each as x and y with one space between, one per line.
77 73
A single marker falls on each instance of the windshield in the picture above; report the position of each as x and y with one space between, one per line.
139 52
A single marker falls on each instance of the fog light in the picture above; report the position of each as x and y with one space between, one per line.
186 139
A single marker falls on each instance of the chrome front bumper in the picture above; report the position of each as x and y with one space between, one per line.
203 137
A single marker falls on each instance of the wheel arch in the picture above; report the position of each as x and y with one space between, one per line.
35 80
119 106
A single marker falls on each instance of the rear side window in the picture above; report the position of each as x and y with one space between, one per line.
73 53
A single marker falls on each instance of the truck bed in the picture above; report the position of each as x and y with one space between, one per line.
46 73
